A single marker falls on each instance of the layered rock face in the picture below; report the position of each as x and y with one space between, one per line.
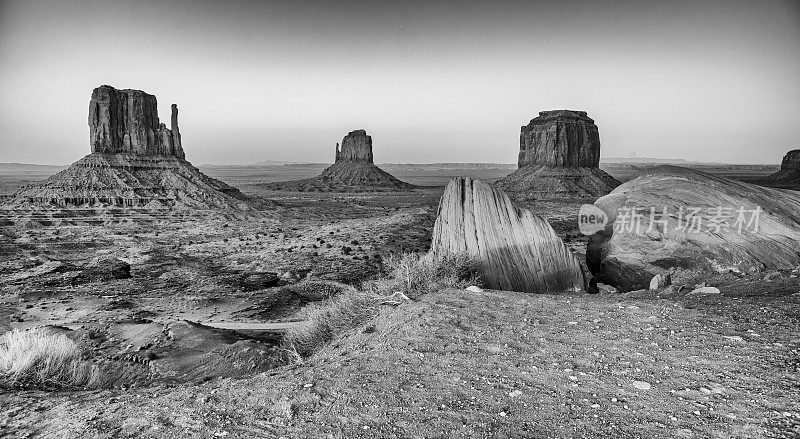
558 159
136 161
353 171
129 180
560 138
699 224
126 121
516 250
356 147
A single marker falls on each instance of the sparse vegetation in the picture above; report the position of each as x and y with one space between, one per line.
326 321
412 274
416 275
37 357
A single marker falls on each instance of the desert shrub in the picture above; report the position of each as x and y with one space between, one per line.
317 289
416 275
37 357
329 319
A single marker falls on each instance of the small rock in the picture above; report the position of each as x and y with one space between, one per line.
705 290
120 269
606 288
659 281
733 337
641 385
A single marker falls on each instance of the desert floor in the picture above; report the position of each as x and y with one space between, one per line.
453 364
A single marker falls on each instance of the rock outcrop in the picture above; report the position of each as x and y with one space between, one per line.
353 171
136 161
687 223
559 159
516 250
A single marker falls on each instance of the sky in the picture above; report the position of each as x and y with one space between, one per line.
430 81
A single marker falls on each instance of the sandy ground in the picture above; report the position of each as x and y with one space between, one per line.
492 364
455 364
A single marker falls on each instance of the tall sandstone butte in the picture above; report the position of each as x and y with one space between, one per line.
126 121
356 147
353 171
516 250
135 161
559 158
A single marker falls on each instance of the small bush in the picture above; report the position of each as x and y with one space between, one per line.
328 320
40 358
417 275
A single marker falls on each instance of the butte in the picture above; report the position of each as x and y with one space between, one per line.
353 171
135 162
559 158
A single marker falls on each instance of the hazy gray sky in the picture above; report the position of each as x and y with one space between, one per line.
431 81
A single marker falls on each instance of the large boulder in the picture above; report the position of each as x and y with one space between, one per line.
516 250
700 224
558 159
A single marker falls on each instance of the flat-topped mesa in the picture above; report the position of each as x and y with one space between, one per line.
560 138
788 177
559 158
126 121
791 161
356 147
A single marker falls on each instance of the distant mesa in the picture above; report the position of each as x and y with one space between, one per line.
712 226
136 161
791 162
353 171
789 175
516 250
559 159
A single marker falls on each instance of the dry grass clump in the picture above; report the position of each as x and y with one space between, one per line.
317 289
416 275
411 274
328 320
37 357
